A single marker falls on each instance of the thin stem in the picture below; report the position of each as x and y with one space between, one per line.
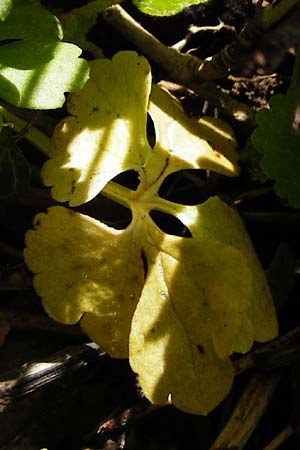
34 323
280 438
277 353
182 68
32 376
273 14
254 193
248 412
32 134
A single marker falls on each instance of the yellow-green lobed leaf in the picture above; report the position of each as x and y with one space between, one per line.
203 297
81 271
191 144
106 134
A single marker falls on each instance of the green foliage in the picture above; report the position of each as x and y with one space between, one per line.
250 158
14 168
36 68
5 7
30 21
279 146
201 298
164 7
277 139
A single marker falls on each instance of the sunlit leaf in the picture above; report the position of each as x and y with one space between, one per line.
111 133
183 327
195 144
36 74
106 134
36 69
164 7
79 265
184 304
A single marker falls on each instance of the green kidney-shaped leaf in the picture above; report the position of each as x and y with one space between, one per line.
164 7
30 21
37 74
37 69
279 145
178 306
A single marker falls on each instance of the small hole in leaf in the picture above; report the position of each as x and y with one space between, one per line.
150 131
107 211
187 187
170 224
128 179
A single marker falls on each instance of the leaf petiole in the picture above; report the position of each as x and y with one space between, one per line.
40 140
